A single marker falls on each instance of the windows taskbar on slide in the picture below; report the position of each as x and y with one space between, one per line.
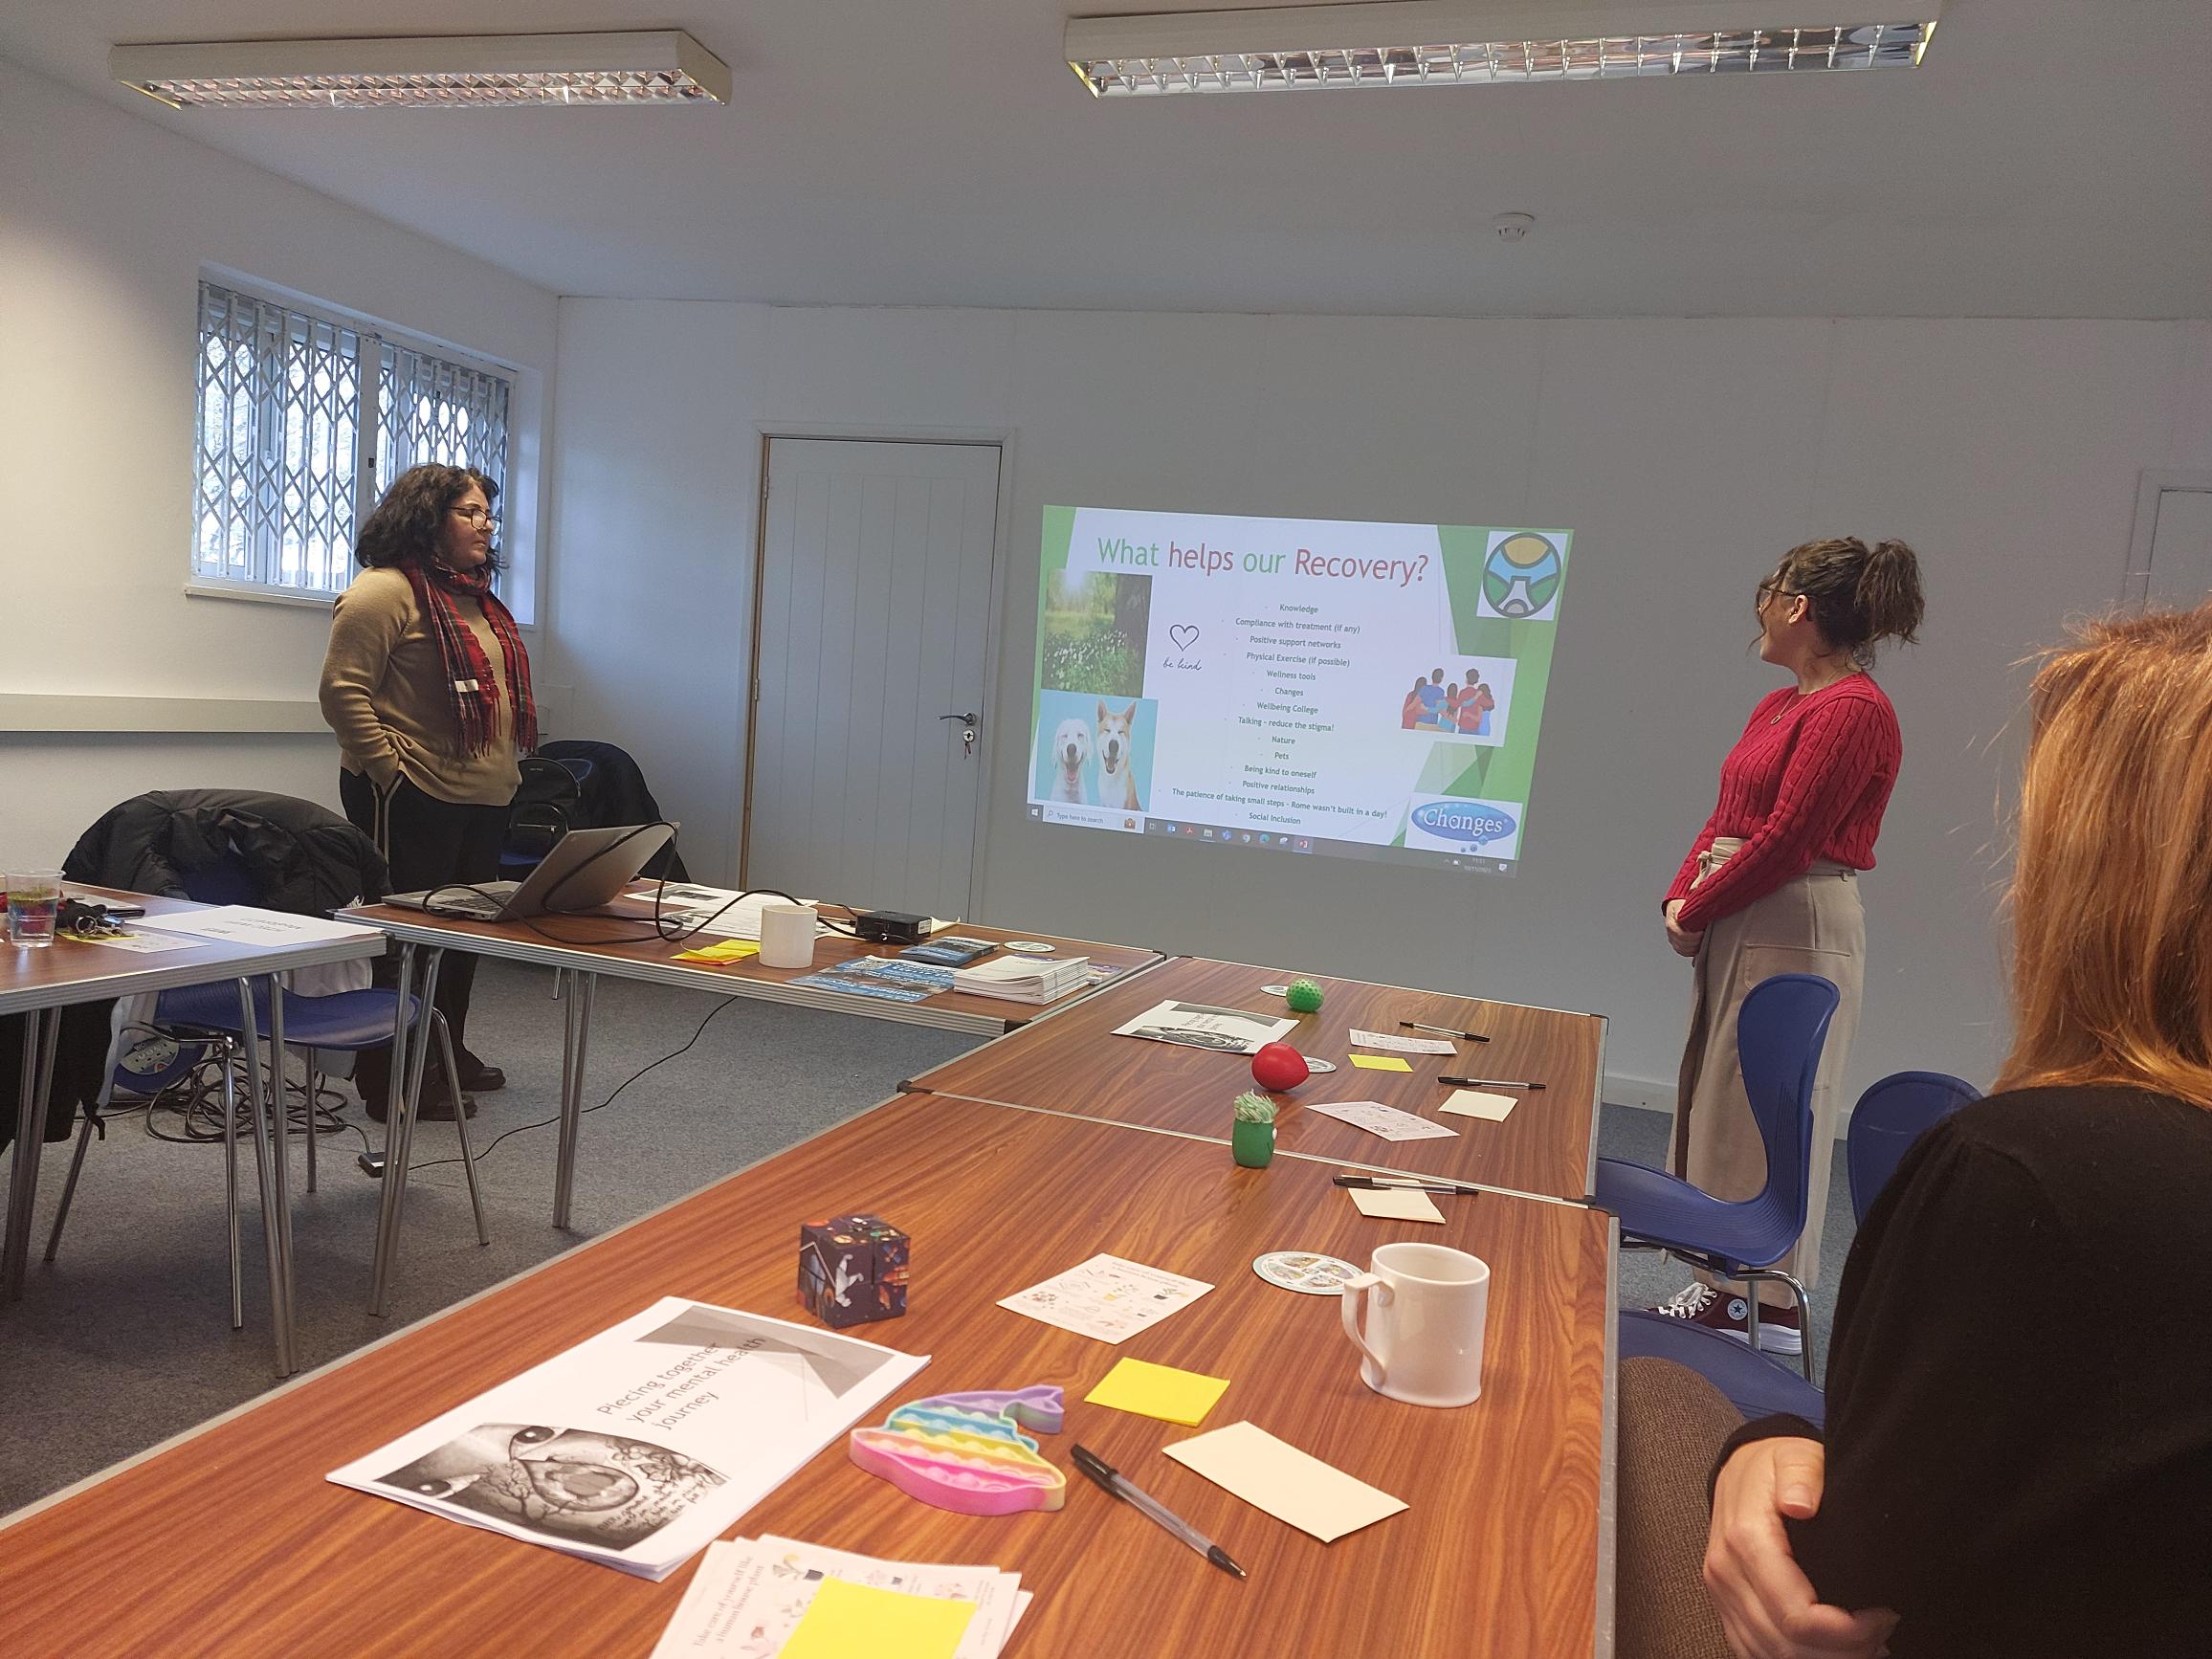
1267 840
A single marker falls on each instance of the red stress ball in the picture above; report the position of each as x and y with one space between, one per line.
1279 1065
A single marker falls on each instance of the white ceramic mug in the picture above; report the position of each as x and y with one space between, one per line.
787 935
1426 1308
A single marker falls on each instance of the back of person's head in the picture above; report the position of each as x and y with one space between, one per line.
2112 895
1860 595
407 524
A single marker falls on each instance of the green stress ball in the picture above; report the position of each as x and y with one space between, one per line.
1304 997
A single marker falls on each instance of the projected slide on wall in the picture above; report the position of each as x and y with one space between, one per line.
1293 685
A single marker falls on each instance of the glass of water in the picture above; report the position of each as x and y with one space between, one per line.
34 896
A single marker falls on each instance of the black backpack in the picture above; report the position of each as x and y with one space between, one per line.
544 810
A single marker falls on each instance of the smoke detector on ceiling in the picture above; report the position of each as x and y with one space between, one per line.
1513 227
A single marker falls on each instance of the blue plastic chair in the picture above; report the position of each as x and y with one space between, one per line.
1890 1117
1780 1033
203 1018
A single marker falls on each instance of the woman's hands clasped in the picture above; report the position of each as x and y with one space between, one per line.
1684 943
1767 1606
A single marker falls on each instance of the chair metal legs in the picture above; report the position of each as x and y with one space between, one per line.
1805 1308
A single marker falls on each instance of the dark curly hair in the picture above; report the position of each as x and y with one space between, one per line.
1859 595
408 521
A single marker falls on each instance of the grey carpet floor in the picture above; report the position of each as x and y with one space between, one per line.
125 1339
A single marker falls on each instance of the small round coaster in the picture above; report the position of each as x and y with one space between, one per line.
1028 947
1319 1066
1265 990
1305 1271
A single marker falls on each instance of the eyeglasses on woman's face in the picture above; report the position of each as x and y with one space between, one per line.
483 518
1772 588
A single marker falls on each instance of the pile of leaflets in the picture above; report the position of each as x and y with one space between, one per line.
1025 979
750 1596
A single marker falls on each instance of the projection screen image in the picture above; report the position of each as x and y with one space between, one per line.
1293 685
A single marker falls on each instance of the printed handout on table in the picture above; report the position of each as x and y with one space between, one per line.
1377 1118
717 910
1479 1103
245 924
749 1595
1400 1045
147 944
1200 1025
1107 1297
639 1445
1290 1485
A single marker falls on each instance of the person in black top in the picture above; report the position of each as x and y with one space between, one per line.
2017 1457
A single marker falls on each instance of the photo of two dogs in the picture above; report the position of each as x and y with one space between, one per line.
1077 740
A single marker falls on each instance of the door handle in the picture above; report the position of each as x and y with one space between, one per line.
964 719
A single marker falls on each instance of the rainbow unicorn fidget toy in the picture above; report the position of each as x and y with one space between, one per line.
964 1452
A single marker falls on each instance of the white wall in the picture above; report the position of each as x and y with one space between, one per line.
106 222
1686 455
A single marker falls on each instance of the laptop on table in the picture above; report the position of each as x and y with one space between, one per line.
586 870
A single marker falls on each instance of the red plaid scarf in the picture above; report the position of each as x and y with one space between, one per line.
468 680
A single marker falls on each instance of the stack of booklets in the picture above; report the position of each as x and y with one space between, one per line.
636 1447
750 1597
1025 979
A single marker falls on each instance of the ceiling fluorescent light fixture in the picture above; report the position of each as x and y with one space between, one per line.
461 71
1462 43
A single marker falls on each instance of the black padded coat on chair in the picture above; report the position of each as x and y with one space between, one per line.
614 792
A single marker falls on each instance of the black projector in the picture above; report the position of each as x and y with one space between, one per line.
890 927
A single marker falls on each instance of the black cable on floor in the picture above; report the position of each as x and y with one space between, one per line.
544 1122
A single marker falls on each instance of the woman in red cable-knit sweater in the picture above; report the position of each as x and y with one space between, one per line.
1771 885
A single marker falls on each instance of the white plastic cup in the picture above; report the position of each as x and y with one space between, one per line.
1427 1307
787 935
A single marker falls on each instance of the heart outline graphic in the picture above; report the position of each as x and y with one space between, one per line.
1184 635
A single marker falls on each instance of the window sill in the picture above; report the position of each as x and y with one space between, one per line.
257 594
288 596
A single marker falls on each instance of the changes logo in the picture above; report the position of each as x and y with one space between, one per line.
1520 577
1450 823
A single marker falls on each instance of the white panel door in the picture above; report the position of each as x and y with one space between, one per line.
2181 548
873 605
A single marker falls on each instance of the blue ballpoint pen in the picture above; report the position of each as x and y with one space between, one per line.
1123 1487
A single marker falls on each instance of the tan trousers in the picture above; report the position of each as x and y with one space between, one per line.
1811 925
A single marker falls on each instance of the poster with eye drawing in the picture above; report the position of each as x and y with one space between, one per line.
637 1448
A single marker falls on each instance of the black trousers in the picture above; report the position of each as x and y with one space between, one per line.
428 843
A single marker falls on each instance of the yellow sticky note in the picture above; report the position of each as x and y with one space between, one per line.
1158 1391
860 1622
1380 1063
723 950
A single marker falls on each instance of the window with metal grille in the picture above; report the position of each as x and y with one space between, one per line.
305 421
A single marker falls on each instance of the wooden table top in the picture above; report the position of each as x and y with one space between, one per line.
1078 1066
72 970
1500 1554
628 947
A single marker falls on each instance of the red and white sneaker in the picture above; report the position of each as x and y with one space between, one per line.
1780 1330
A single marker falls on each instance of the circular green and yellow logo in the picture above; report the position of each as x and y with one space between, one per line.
1521 576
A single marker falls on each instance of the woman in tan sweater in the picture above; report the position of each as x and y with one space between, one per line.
428 687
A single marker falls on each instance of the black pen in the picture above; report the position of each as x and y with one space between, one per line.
1409 1184
1442 1030
1123 1487
1487 1083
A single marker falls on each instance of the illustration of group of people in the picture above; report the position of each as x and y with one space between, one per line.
1432 706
